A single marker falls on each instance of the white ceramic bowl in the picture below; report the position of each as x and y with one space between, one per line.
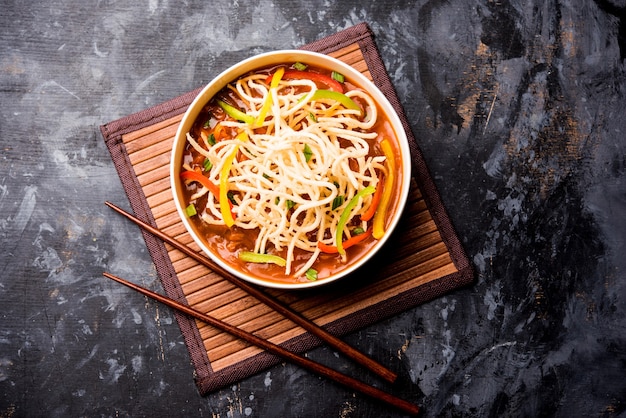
265 60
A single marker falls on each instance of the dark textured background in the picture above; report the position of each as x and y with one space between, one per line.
519 108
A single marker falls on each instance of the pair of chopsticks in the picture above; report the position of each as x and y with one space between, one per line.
284 310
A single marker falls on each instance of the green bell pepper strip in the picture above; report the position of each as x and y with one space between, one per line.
345 216
252 257
347 102
235 113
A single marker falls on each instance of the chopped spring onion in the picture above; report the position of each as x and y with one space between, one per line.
311 275
307 153
337 76
337 201
299 66
358 231
191 210
231 197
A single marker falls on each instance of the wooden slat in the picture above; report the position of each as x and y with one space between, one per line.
154 133
157 186
149 152
329 312
419 254
153 174
227 351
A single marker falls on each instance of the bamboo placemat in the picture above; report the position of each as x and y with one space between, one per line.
424 259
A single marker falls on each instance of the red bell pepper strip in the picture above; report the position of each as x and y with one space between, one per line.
196 176
369 213
308 75
191 175
331 249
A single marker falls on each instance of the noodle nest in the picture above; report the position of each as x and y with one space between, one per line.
291 173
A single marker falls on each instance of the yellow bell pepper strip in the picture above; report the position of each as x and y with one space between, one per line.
371 210
223 189
235 113
333 85
278 75
227 216
331 249
381 212
252 257
345 216
347 102
191 175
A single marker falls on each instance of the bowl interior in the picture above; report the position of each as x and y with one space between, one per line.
265 60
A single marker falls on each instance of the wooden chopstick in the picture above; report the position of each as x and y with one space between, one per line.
304 362
263 297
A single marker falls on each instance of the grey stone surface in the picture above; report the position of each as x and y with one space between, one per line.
519 109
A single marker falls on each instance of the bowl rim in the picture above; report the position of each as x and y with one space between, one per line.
258 61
